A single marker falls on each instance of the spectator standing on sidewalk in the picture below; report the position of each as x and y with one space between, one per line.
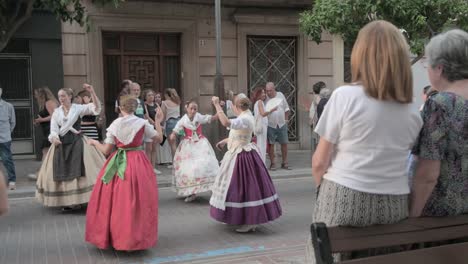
47 104
136 91
277 127
124 90
321 96
171 109
7 124
261 117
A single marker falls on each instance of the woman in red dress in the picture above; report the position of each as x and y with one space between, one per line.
123 210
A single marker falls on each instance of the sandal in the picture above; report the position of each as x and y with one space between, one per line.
272 167
285 166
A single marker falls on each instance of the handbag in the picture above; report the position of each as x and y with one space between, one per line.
258 125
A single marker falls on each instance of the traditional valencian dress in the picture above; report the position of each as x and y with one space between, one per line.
69 170
195 163
243 193
123 210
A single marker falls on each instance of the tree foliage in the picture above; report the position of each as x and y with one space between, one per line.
13 13
418 19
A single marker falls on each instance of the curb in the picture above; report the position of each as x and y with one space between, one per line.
30 191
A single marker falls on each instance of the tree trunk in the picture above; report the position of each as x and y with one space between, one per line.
15 18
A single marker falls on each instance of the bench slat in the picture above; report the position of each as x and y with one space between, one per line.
395 239
453 254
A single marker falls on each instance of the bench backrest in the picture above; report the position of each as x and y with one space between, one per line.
414 230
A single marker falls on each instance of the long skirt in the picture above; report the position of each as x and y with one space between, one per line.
70 192
195 167
262 143
338 205
251 198
124 213
163 153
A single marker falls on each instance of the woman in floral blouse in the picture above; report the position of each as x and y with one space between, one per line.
440 185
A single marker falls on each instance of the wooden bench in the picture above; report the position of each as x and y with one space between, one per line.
329 240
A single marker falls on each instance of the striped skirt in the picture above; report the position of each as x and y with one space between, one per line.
338 205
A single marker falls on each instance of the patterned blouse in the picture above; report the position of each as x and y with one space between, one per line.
444 137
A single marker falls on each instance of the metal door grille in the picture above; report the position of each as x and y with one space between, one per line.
15 77
273 59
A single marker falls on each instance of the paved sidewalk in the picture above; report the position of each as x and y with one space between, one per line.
299 162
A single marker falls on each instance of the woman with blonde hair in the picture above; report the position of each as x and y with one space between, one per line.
47 103
163 150
366 131
69 170
123 209
171 109
243 192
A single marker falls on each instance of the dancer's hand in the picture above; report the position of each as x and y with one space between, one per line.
88 87
215 100
220 145
159 116
38 120
56 142
274 109
92 142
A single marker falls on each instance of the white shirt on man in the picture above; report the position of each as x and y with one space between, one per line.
277 118
372 139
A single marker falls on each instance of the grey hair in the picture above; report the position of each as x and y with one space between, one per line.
241 96
450 50
325 93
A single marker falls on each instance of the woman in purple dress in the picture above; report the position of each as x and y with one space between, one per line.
243 192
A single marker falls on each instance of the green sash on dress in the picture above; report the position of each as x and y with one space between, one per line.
117 164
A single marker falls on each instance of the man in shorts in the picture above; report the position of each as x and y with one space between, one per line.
277 127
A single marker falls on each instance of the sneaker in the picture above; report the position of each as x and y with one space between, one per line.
157 171
32 176
246 229
190 198
12 186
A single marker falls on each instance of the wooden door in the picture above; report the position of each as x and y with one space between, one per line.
151 59
144 70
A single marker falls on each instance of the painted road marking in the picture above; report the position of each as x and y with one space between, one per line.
206 254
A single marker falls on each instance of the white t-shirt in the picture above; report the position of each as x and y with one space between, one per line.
276 119
372 139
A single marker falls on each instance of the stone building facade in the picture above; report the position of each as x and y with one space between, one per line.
165 44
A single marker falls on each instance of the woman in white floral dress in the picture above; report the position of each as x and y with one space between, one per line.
195 163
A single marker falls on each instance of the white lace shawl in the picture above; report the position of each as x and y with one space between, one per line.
125 129
185 121
61 124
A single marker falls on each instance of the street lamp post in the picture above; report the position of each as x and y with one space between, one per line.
219 80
